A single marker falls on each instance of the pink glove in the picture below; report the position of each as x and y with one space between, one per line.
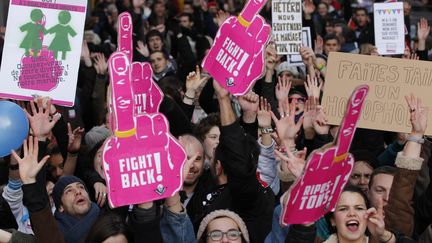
236 59
327 171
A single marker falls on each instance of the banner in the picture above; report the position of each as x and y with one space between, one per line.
389 79
143 162
236 59
296 59
42 50
287 26
327 171
389 28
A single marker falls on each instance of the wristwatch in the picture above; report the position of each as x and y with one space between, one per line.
266 130
416 139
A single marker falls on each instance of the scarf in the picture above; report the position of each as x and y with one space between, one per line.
75 230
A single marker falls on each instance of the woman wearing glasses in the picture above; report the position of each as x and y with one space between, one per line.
222 226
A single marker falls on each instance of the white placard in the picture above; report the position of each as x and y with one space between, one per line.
295 59
389 28
42 49
287 25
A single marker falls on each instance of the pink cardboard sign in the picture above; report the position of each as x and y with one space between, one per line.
327 171
142 161
236 59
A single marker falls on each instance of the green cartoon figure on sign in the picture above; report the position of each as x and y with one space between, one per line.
35 31
60 43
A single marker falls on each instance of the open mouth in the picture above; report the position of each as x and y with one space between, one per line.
352 225
80 201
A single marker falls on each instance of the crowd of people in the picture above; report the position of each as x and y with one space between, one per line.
243 153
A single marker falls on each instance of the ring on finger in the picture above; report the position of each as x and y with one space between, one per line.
412 110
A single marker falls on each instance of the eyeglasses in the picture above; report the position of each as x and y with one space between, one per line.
217 235
299 100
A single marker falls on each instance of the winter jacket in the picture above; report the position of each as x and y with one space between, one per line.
13 194
45 227
267 166
400 212
254 203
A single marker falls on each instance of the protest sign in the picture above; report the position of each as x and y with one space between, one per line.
236 59
296 59
389 28
390 79
147 94
327 171
287 26
42 50
142 161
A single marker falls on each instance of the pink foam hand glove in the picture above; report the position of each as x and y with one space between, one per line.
147 95
236 59
142 161
327 171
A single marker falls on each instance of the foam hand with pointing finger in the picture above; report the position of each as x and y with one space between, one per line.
327 171
146 94
142 161
236 59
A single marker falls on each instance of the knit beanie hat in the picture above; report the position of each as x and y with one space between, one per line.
223 213
96 135
59 187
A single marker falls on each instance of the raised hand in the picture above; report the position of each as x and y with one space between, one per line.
376 224
75 138
221 16
319 121
282 89
41 122
249 102
29 166
423 29
308 114
85 54
319 45
271 57
194 81
291 162
219 90
286 126
100 193
264 114
419 115
143 49
313 87
308 7
236 59
100 64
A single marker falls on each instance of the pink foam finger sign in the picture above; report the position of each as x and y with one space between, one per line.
327 171
124 38
147 95
138 162
236 59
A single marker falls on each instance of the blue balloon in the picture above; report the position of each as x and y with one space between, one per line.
14 127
